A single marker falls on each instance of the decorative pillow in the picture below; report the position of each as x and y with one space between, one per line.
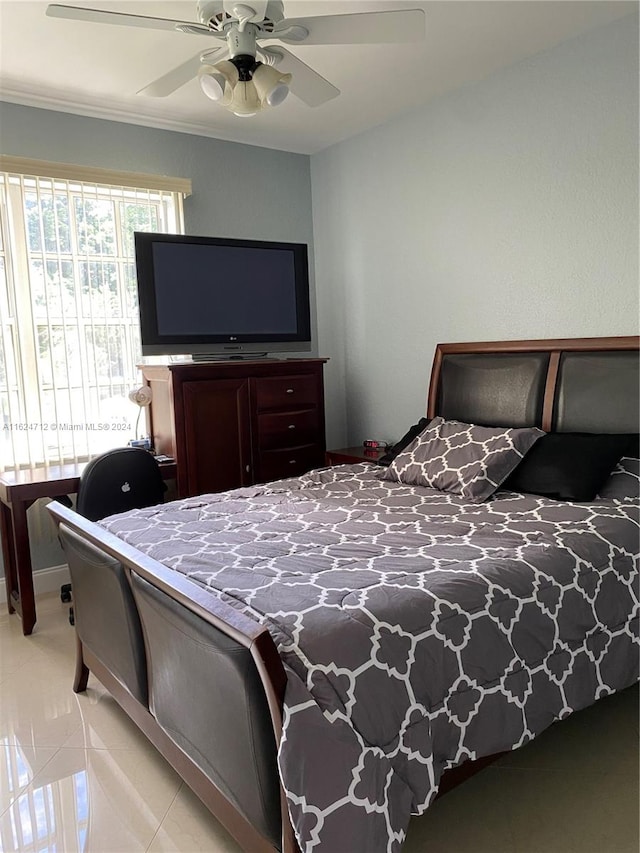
464 459
405 441
569 466
624 481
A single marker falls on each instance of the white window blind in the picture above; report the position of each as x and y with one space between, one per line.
69 321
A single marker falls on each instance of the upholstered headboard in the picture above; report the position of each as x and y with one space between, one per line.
560 385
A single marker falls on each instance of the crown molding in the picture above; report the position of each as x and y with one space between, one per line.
118 113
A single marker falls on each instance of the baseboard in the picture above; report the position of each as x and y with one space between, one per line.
44 581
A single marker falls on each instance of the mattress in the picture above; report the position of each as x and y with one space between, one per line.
417 631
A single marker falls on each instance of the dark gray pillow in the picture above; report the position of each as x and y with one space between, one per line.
464 459
570 466
405 441
624 481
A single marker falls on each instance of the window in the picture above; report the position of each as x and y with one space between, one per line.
69 322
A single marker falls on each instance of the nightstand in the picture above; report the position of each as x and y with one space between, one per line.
350 455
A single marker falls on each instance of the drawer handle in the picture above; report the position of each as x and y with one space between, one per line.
291 426
289 390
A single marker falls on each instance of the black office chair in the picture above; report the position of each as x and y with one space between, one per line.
117 481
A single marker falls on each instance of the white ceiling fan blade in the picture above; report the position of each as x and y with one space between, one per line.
259 8
306 83
178 76
100 16
362 28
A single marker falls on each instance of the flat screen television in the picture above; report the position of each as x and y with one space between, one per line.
213 297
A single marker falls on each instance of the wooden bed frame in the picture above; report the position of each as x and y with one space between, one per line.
591 383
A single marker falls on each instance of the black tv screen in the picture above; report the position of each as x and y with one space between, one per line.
220 296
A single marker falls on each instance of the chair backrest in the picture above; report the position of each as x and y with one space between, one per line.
119 480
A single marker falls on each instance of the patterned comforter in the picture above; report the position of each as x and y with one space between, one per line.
417 631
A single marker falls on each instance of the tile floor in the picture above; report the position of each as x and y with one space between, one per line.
76 775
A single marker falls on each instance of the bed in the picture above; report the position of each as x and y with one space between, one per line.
319 657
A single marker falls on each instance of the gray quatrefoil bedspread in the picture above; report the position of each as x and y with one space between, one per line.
416 631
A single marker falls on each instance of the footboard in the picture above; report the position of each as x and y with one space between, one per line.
214 680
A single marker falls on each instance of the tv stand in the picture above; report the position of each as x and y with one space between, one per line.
237 422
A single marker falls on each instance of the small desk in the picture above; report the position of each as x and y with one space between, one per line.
18 490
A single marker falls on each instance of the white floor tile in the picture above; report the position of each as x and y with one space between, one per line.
77 775
93 800
18 766
190 828
104 724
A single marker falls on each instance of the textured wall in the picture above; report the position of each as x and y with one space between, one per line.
238 190
507 209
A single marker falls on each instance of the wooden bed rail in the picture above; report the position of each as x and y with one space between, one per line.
229 621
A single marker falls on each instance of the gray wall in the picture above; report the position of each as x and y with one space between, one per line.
238 191
508 209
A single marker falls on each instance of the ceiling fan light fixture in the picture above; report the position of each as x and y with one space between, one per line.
216 79
245 101
277 95
212 85
272 86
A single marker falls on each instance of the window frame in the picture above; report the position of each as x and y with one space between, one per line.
27 385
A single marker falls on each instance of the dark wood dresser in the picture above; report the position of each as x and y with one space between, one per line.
236 423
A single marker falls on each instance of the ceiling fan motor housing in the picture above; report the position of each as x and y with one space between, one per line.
219 15
242 42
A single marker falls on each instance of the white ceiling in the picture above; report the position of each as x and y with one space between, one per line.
96 69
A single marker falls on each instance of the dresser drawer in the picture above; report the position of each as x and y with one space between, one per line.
278 464
288 429
290 392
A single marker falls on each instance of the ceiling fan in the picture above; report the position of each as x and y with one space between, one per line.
247 75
